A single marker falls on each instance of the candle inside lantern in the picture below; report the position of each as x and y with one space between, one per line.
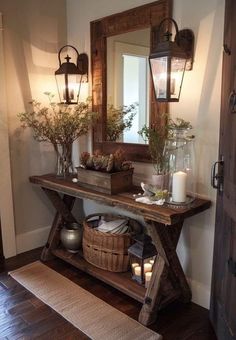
134 265
137 271
70 94
179 186
148 276
152 262
147 267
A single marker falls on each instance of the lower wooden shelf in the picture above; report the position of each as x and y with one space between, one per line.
120 281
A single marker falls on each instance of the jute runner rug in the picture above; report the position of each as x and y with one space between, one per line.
91 315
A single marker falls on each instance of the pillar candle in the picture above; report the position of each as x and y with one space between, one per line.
148 276
134 265
147 267
179 186
137 271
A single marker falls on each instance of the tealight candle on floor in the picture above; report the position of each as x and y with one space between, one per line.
148 276
137 271
147 267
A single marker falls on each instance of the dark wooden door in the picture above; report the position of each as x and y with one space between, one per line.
223 299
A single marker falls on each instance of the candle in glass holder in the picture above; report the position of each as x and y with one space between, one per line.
147 267
148 276
134 265
137 271
179 186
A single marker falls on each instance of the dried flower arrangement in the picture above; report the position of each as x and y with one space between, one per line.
107 163
59 124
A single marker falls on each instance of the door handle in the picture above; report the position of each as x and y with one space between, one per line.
217 175
232 102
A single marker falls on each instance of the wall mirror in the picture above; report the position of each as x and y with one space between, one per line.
120 46
128 83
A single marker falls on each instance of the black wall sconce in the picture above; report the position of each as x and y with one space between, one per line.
169 60
69 76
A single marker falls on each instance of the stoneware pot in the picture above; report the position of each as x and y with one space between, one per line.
71 237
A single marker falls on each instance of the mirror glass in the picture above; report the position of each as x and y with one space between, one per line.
128 83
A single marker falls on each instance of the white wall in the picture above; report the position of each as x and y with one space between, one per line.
6 200
200 103
33 31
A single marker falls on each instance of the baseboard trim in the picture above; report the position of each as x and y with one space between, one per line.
31 239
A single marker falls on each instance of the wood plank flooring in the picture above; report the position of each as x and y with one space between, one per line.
23 316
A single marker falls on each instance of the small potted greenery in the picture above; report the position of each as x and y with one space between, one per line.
157 135
110 174
61 125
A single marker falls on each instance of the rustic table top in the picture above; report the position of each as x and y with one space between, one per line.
166 214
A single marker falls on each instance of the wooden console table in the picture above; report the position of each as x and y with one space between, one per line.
164 224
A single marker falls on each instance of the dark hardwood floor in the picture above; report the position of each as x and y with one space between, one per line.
23 316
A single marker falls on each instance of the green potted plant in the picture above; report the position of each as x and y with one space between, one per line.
178 124
59 124
157 135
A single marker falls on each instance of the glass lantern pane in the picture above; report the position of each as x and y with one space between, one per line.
70 81
159 74
176 76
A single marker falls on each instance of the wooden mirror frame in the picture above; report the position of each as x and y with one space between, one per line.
137 18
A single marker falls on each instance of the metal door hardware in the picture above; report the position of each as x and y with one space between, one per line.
232 102
217 177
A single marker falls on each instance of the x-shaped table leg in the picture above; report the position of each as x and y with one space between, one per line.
63 207
167 272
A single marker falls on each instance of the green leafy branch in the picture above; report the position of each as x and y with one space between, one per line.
58 123
119 120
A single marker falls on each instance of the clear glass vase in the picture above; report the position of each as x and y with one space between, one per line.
181 167
64 164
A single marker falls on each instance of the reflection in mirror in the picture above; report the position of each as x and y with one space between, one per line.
128 80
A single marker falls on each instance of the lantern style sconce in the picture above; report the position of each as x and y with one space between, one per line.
69 76
142 256
169 61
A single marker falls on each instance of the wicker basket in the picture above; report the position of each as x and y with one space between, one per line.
107 251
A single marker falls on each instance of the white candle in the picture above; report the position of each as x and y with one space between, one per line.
137 271
179 186
148 276
134 265
152 262
147 267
